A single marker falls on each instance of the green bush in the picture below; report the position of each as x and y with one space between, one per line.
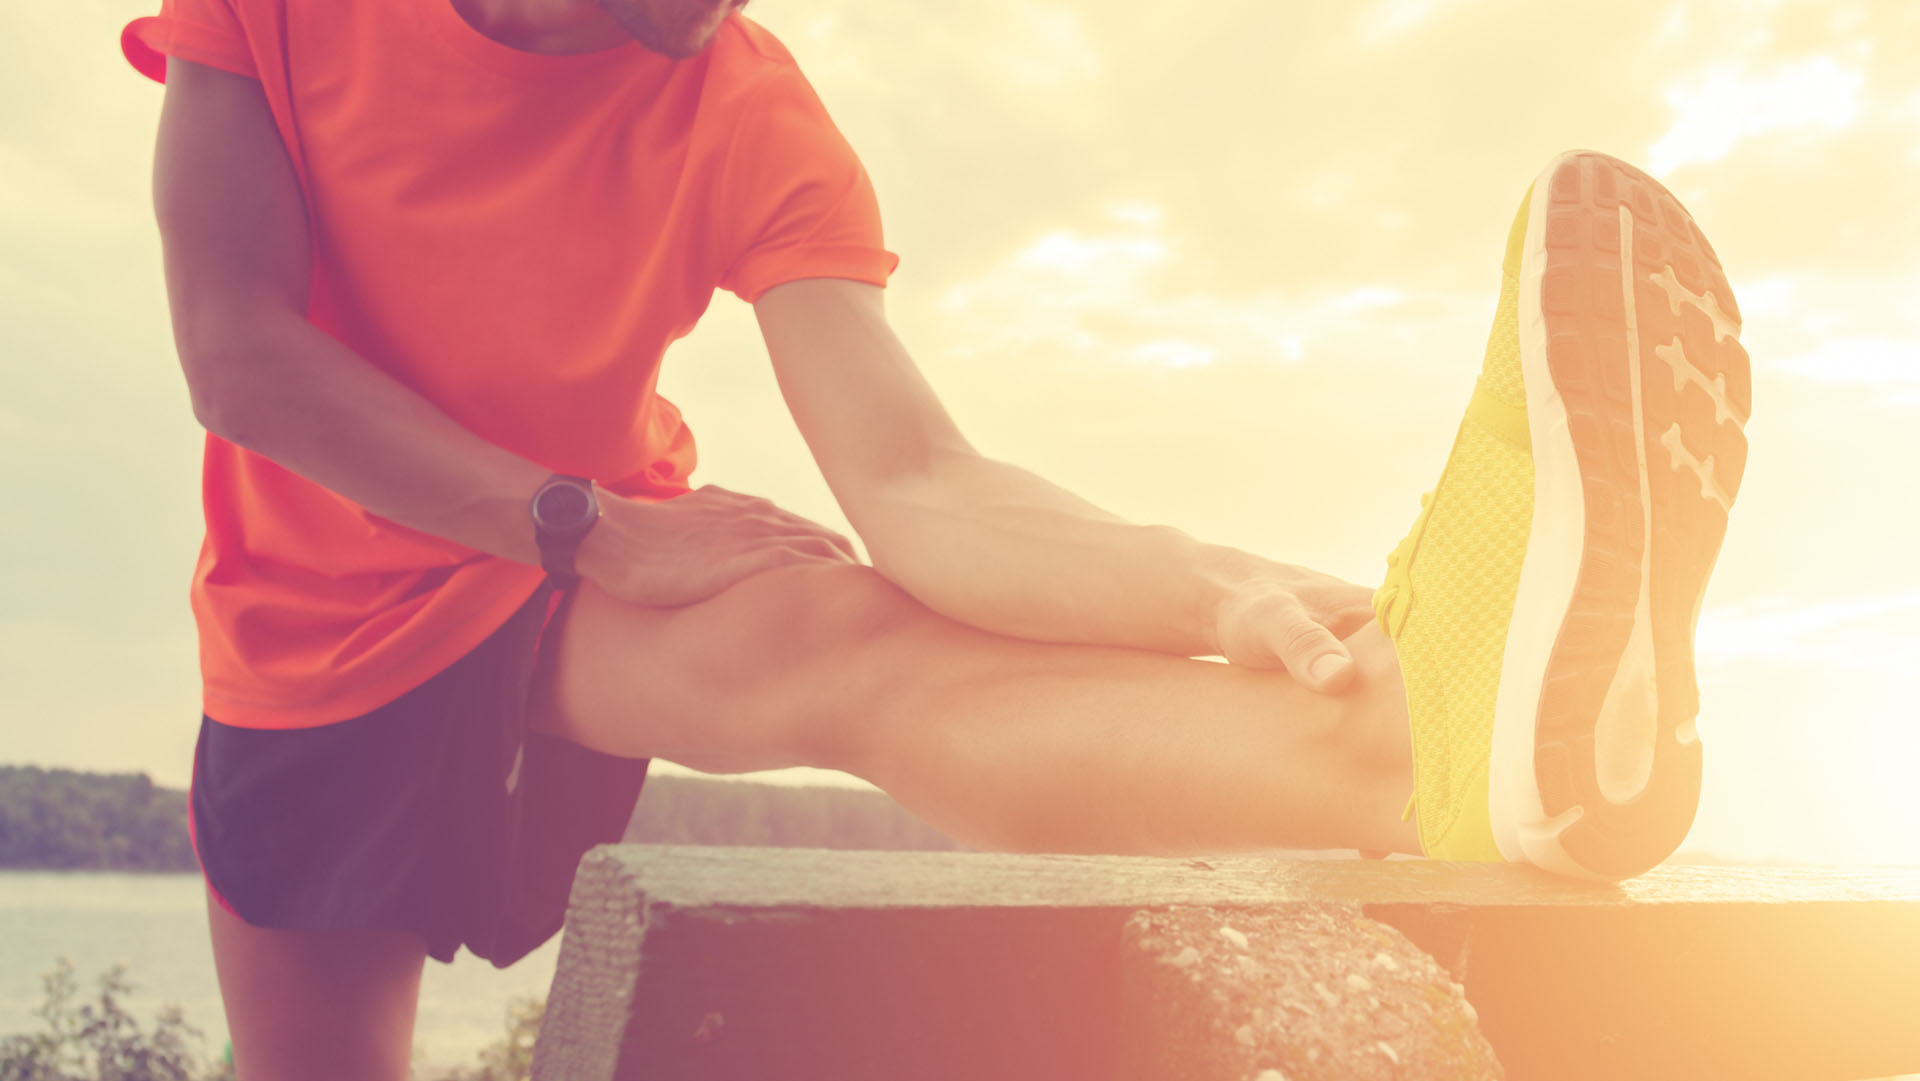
511 1059
97 1040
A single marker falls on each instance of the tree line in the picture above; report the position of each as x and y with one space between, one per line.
59 819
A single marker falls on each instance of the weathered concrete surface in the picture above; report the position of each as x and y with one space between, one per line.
695 963
1303 992
591 999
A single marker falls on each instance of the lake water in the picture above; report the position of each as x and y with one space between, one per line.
157 925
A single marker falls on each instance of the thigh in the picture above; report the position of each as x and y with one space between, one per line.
764 675
317 1004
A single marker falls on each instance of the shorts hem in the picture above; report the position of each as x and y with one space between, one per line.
437 815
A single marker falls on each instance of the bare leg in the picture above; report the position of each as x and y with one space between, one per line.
1001 743
317 1004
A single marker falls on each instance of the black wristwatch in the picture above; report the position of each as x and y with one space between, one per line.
563 510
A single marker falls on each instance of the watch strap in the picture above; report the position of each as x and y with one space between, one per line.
557 551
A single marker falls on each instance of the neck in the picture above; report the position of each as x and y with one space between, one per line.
544 26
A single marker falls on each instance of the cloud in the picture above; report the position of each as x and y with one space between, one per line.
1840 328
1722 106
1070 253
1864 632
1113 289
1046 49
1135 213
1172 353
1890 364
1389 19
1370 297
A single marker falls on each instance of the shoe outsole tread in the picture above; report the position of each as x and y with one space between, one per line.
1633 306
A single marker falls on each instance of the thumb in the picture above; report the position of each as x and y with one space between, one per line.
1313 656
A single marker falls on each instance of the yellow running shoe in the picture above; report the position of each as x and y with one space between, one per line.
1543 606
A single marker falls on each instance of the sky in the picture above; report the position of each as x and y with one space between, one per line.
1228 267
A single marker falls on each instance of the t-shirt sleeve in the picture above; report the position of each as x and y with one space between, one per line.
795 202
204 31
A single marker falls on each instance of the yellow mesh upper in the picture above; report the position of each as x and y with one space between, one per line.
1461 586
1500 374
1449 594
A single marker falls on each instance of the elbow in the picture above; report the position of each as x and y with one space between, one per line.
903 561
217 363
912 516
223 347
211 399
207 408
891 560
895 520
218 405
919 564
903 575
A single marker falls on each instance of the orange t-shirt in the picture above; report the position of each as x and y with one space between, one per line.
517 237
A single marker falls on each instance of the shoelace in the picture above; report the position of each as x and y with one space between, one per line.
1394 599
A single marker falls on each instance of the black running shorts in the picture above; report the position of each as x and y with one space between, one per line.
437 813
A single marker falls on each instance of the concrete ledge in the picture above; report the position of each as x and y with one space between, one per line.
1301 992
692 963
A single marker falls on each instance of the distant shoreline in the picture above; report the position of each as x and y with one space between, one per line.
73 820
156 872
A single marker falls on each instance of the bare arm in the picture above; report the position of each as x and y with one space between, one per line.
234 238
233 231
995 546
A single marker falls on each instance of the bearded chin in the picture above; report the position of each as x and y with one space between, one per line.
636 17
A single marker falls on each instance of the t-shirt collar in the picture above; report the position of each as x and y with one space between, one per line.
444 22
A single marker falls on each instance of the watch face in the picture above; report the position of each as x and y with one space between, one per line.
563 507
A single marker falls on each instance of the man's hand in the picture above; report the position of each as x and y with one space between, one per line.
1281 616
684 550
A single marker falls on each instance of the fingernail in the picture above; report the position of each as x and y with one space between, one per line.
1327 666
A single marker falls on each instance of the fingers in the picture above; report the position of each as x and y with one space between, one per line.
820 546
765 552
684 550
845 545
1340 606
1271 628
842 547
786 525
767 558
1345 621
1312 654
840 543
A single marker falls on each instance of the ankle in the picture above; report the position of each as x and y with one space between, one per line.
1382 741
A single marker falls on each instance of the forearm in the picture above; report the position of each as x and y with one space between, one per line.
995 546
293 394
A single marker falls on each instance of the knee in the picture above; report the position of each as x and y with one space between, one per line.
806 615
803 652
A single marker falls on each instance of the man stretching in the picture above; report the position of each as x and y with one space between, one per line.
424 257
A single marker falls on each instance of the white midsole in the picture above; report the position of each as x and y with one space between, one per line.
1556 540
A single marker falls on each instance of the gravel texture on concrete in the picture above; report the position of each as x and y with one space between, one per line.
1307 992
